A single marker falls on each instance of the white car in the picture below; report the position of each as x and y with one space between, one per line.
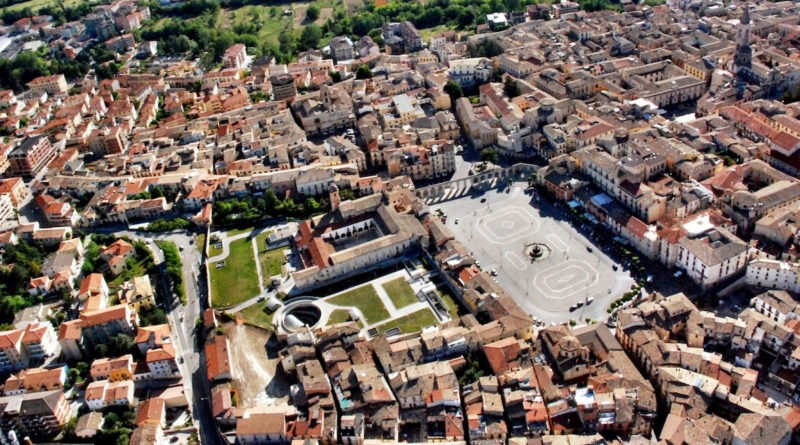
494 272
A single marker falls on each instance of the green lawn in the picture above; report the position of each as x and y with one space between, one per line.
200 242
235 232
400 292
338 316
238 280
213 251
341 316
271 260
270 20
413 322
256 315
36 4
454 308
366 299
427 33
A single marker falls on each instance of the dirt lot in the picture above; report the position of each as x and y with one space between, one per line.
254 374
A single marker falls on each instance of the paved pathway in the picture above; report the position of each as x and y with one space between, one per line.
394 312
226 241
258 264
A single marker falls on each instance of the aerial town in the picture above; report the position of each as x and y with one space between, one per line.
365 222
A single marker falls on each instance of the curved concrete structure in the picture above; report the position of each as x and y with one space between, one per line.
299 312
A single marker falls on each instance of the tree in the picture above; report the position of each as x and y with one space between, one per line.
312 13
101 350
123 343
490 155
511 88
309 38
453 89
485 48
363 72
466 17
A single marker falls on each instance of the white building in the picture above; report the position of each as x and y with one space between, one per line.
775 304
774 274
314 181
712 256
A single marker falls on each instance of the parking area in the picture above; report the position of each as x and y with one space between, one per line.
499 225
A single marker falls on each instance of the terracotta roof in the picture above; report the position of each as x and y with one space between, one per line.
151 410
468 273
95 390
217 359
70 330
10 339
118 247
116 259
503 354
157 355
92 284
157 333
116 391
34 332
262 424
103 316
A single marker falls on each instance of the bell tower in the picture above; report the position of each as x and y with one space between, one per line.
742 59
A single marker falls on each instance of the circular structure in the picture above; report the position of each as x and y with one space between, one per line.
537 251
300 313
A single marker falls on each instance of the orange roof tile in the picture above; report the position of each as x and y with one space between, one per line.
151 409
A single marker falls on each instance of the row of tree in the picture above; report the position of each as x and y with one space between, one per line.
242 211
60 12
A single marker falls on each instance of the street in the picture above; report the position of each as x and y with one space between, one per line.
182 321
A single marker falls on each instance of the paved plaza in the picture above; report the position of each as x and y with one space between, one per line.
498 231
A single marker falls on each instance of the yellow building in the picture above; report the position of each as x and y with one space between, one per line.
113 369
137 293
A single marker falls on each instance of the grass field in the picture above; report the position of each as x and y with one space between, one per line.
235 232
256 315
201 242
238 280
400 292
272 22
338 316
271 261
413 322
213 251
36 4
454 308
366 299
427 33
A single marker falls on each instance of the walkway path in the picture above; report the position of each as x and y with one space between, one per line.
254 242
226 241
394 312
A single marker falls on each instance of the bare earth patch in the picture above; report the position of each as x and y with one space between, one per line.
255 375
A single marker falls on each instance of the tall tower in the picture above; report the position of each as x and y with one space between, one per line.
742 60
333 195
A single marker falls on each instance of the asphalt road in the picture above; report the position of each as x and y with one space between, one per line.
182 320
